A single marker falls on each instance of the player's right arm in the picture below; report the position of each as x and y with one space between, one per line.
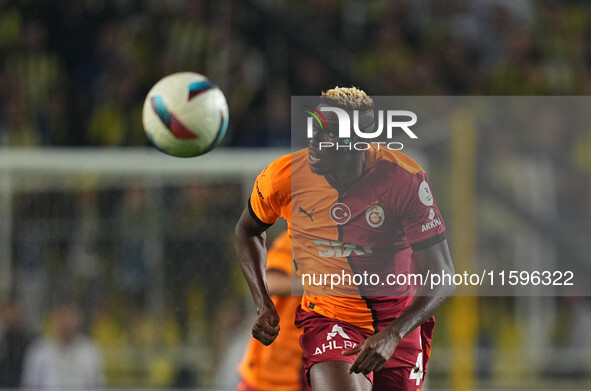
252 252
269 201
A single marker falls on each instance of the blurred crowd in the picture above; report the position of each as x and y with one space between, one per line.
76 72
138 269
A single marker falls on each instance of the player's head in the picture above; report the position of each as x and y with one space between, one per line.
347 98
327 150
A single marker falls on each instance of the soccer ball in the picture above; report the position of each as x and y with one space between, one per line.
185 115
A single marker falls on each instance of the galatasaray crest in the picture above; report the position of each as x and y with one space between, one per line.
375 216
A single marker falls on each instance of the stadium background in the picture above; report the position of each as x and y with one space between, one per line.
146 248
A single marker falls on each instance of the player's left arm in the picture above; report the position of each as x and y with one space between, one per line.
427 300
424 228
376 350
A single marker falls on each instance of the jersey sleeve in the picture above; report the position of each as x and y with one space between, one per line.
421 219
270 195
279 255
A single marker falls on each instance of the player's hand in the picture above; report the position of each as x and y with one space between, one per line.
373 353
266 327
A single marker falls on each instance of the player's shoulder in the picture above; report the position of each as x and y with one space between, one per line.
281 167
394 161
275 178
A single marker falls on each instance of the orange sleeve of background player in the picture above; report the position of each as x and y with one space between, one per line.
277 367
279 255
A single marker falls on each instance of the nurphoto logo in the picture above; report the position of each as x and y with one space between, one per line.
387 120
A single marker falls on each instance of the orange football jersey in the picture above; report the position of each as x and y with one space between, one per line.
365 234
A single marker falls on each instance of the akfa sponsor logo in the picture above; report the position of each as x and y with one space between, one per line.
431 224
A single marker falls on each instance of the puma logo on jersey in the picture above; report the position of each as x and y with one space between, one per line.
306 213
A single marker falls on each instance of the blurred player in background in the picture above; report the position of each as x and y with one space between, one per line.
69 362
350 211
277 367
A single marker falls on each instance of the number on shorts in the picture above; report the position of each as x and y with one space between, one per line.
417 371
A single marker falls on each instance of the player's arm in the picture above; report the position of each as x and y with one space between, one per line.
427 300
375 351
251 247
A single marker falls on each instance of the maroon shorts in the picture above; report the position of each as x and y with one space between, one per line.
324 339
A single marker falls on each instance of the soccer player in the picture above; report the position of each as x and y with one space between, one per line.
351 212
277 367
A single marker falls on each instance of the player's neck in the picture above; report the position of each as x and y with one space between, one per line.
348 173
